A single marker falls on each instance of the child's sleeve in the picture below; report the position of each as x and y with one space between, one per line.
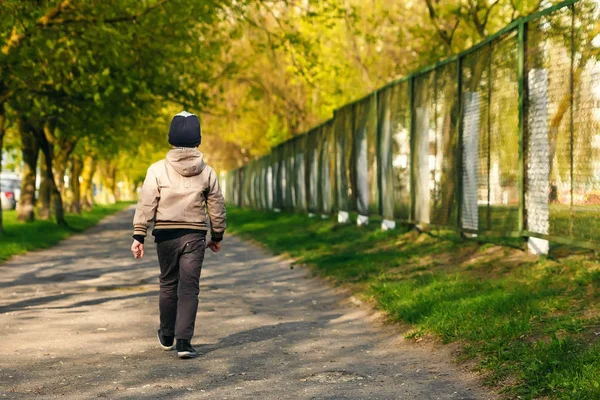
145 210
215 203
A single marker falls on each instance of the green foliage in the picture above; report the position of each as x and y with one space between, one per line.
528 323
259 72
99 77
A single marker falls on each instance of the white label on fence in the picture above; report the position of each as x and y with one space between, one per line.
388 225
470 159
538 246
538 153
343 217
362 220
422 192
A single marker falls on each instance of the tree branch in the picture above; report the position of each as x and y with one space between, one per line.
16 39
114 20
446 39
51 19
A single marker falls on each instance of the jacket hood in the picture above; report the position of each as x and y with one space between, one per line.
186 161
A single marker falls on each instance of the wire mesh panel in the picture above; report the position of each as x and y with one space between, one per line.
435 145
548 195
245 196
258 173
491 137
446 146
585 147
299 169
264 189
320 179
503 125
400 140
311 160
476 140
254 188
268 181
248 186
226 180
237 190
386 177
233 187
276 161
254 196
365 162
344 166
327 183
372 151
253 184
241 175
423 156
288 181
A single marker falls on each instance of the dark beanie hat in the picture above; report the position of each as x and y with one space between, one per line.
185 130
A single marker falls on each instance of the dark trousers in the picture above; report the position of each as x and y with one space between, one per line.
180 262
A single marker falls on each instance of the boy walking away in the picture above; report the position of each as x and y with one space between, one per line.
182 195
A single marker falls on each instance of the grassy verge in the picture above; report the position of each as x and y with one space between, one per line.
528 323
20 237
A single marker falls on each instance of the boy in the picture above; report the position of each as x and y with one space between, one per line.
182 195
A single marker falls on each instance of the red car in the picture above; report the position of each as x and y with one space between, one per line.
8 194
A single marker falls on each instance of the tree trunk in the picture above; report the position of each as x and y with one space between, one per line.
30 149
74 185
108 177
56 198
59 171
62 146
63 149
43 209
87 175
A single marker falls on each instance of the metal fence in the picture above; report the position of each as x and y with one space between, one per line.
503 138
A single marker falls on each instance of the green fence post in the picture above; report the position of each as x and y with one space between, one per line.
459 150
522 36
411 212
572 123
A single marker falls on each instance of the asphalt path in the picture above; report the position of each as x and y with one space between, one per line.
78 321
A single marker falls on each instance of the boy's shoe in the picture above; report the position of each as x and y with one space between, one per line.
185 349
166 342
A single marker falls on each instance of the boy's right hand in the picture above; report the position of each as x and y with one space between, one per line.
214 246
137 249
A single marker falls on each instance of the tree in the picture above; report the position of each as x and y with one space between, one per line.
76 61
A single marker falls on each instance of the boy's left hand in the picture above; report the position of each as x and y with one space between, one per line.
214 246
137 249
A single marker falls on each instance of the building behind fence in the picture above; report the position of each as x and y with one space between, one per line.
503 138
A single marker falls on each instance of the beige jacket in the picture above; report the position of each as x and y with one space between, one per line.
181 192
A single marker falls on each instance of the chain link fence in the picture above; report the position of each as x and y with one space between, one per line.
503 138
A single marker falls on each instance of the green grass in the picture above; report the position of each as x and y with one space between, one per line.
21 237
527 323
